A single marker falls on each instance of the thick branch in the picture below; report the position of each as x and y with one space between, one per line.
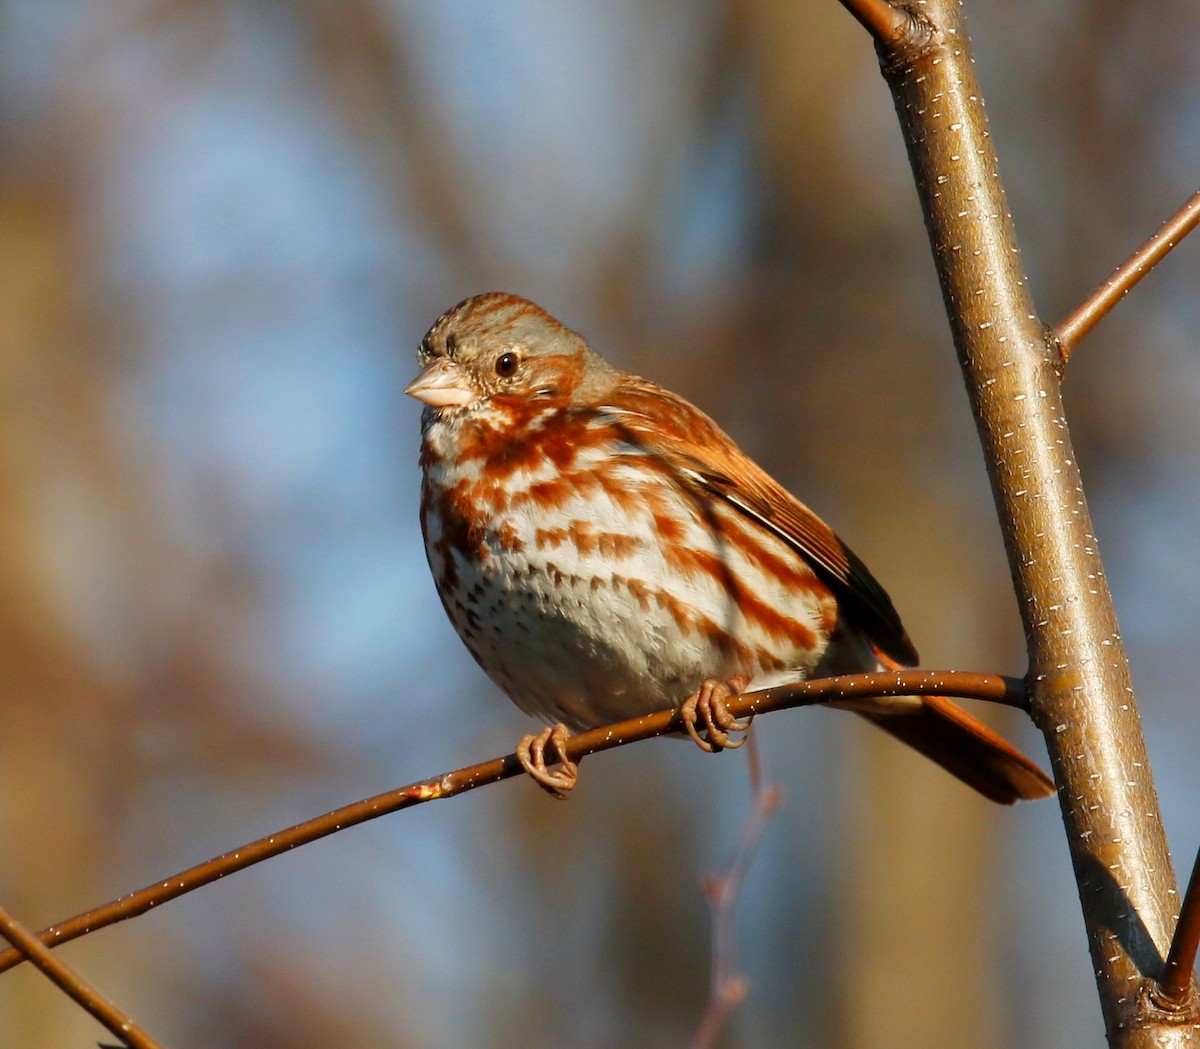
73 985
1097 305
1082 697
988 687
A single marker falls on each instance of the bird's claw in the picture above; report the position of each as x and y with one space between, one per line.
531 752
707 705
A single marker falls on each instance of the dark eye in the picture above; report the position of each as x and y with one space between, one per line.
506 365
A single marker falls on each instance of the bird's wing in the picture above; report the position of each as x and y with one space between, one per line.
667 425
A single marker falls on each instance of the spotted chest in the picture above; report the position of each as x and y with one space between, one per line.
599 584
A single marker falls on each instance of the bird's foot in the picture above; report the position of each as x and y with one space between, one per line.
531 752
707 706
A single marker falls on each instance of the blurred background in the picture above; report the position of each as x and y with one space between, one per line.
224 227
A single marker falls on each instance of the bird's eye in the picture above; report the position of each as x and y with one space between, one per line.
506 365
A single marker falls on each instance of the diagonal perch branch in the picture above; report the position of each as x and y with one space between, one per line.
990 688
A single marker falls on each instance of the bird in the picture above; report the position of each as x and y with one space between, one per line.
605 550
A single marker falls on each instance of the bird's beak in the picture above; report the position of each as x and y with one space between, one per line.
441 385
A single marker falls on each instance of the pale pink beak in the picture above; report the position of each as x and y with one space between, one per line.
441 385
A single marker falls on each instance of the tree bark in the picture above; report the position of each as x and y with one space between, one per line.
1080 689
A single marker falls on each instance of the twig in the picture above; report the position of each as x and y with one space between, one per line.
990 688
74 985
727 989
1175 987
879 18
1094 308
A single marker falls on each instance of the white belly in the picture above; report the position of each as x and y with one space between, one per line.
582 611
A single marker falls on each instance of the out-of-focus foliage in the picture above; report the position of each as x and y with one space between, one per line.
224 227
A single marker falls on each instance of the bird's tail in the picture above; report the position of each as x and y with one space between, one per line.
964 747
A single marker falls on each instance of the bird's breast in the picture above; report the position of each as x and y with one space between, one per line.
601 582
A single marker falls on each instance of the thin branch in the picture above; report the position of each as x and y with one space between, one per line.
879 18
901 33
1094 308
77 988
990 688
1175 987
728 990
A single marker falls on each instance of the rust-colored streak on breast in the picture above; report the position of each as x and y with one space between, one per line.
504 537
641 592
773 558
759 614
587 540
